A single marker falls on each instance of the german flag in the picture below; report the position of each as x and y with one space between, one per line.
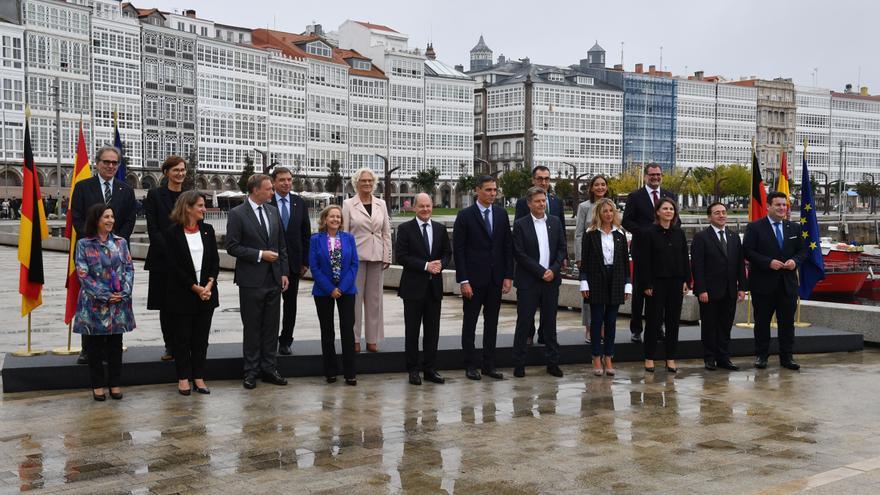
758 204
32 231
81 172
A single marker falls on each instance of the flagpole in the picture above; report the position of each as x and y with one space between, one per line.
798 323
67 351
29 351
748 323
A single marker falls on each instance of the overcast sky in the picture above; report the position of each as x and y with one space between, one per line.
764 38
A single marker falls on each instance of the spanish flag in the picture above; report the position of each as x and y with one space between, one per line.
81 172
32 231
782 184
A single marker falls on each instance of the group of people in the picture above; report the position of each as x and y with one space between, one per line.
271 238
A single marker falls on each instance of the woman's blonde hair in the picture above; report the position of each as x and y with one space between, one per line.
357 176
187 199
322 218
597 214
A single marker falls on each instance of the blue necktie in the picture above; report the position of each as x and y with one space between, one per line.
285 213
487 220
779 239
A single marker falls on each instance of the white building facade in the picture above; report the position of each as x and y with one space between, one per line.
287 110
12 98
449 121
855 122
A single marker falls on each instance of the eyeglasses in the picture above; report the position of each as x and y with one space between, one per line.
112 163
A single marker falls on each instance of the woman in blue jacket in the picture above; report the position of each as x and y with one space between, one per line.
333 261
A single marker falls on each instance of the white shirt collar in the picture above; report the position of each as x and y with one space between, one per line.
254 206
483 208
536 219
103 180
648 188
419 220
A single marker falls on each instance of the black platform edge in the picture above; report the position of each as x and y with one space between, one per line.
141 365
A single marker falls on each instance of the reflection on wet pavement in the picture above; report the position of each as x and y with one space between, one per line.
702 432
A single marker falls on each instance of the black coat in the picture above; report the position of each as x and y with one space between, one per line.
720 274
639 212
297 234
663 254
89 192
482 259
761 248
415 282
526 251
593 268
157 207
179 298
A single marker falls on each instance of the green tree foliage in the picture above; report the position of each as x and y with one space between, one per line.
626 181
563 188
515 183
426 180
466 184
246 174
334 179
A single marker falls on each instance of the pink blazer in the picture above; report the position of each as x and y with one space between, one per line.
372 233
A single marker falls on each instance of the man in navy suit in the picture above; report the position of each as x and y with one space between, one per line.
294 215
423 250
104 188
775 249
637 217
555 208
719 282
539 249
484 268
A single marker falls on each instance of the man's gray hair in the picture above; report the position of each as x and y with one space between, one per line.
106 148
533 191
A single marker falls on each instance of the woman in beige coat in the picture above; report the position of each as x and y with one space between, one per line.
366 218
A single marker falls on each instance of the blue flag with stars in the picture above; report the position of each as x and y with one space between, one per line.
812 270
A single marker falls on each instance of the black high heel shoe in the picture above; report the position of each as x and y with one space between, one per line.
649 369
201 390
186 392
351 381
116 395
99 397
672 370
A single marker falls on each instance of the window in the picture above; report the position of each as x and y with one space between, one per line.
181 26
362 65
319 49
204 31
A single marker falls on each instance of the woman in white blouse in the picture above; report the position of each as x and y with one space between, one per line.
191 293
597 189
605 280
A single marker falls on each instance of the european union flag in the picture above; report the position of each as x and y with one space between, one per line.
117 142
812 270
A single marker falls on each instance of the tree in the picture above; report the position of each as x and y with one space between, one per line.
515 183
626 181
426 180
563 188
334 179
246 174
192 173
466 184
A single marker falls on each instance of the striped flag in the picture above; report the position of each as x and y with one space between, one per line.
32 231
758 203
782 184
117 141
81 172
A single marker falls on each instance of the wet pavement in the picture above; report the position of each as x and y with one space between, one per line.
770 432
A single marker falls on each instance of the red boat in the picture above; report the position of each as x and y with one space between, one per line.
845 269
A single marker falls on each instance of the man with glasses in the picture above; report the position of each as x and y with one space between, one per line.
104 188
556 208
638 216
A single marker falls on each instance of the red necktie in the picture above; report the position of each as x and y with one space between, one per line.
656 199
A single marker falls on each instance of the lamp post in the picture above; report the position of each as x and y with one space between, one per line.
827 190
387 182
482 162
576 189
267 167
873 190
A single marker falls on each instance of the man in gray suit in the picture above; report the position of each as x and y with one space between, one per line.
255 238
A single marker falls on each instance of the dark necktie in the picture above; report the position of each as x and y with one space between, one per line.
723 240
779 239
108 192
425 238
285 213
655 197
486 219
262 222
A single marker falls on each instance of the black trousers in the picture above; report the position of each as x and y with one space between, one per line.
191 343
98 347
663 307
167 325
345 306
545 297
716 318
417 313
260 313
637 302
288 319
783 305
487 299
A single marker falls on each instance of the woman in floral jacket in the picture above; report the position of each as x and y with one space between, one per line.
103 310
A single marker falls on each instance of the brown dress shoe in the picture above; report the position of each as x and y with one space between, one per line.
372 347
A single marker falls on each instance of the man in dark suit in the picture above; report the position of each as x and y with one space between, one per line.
297 230
719 282
556 208
772 281
104 188
539 250
637 217
255 237
484 269
423 250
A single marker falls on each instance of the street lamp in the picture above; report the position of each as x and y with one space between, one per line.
267 167
576 189
387 182
827 190
483 162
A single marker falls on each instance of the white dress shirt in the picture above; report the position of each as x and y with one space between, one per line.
543 241
196 251
254 207
608 256
430 236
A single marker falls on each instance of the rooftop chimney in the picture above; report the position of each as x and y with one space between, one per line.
502 59
698 75
459 68
863 91
190 13
652 69
848 88
618 66
430 54
639 68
